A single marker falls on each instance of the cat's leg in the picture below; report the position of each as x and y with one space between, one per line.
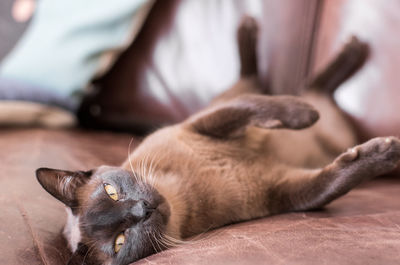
231 118
344 65
305 190
247 39
334 131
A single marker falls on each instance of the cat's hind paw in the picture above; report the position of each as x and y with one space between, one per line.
376 157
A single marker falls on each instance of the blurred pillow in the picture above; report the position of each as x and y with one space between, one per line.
67 44
24 113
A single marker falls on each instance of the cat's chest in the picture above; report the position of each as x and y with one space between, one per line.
72 231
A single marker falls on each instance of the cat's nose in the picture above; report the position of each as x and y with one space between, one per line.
141 210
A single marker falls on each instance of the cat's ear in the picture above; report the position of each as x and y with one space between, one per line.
230 119
62 184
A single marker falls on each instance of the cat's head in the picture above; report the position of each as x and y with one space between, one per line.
113 216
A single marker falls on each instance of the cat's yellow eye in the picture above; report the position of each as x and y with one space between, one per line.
119 242
111 191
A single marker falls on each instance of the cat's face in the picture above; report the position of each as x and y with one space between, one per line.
114 216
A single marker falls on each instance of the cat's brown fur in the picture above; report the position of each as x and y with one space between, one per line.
241 174
246 156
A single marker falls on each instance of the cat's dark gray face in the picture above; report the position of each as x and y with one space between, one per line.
117 216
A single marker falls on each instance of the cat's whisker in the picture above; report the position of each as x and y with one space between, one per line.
149 175
207 234
157 242
143 171
167 242
141 168
174 240
164 242
160 239
153 166
85 225
90 248
130 160
202 236
150 169
137 178
149 235
144 168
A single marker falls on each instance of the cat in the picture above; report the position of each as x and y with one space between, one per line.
245 156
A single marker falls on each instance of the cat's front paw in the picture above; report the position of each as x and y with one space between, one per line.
375 157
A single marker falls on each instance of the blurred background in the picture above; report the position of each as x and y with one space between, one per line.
136 65
11 25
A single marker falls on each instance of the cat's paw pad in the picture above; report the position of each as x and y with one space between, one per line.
382 147
380 154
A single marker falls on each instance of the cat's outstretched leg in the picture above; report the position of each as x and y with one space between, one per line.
231 118
247 38
306 190
344 65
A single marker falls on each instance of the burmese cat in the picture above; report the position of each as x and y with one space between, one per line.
245 156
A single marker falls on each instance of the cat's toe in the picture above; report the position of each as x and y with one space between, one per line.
377 156
381 148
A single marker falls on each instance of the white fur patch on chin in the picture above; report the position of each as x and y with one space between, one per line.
71 230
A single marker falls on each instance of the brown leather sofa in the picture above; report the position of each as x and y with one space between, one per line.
297 39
